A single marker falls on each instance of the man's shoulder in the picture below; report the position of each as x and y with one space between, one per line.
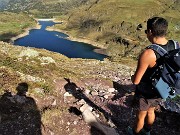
148 53
148 57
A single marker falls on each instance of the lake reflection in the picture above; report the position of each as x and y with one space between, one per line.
57 42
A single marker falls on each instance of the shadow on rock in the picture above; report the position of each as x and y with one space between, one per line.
19 113
123 113
86 110
77 92
121 104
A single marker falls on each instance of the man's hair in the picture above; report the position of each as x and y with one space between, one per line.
158 26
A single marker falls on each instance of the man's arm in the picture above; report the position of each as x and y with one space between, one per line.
146 60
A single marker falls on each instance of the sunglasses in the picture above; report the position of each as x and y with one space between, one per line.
146 31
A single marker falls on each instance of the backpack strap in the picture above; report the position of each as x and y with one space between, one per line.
161 51
176 44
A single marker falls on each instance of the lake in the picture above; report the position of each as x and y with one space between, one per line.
57 42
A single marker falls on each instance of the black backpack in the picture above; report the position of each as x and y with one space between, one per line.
166 78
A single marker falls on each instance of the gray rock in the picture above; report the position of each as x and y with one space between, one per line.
171 105
91 119
111 90
29 53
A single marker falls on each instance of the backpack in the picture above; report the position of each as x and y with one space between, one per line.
166 77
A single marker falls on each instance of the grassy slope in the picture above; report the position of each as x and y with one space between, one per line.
11 63
109 21
18 64
43 8
12 24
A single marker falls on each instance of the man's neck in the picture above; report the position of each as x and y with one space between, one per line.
160 40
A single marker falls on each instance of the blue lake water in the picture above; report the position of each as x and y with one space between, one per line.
57 42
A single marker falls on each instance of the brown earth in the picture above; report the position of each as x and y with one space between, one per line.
21 114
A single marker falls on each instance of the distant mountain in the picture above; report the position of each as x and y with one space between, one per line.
20 5
46 8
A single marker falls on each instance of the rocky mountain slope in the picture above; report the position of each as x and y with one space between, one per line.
47 93
46 89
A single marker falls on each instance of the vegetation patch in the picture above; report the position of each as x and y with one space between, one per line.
13 24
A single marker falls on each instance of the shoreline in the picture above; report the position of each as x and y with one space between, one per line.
83 39
25 33
48 19
100 49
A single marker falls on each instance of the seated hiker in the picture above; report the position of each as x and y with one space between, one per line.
147 97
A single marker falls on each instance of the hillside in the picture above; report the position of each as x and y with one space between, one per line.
119 25
46 93
12 24
44 72
42 8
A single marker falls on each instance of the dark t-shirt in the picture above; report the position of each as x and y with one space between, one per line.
144 88
168 47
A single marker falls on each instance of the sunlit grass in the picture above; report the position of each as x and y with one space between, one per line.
12 24
104 21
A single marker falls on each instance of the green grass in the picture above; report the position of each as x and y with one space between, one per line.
52 118
13 24
104 21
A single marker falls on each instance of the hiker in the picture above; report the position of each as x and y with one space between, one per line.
148 98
